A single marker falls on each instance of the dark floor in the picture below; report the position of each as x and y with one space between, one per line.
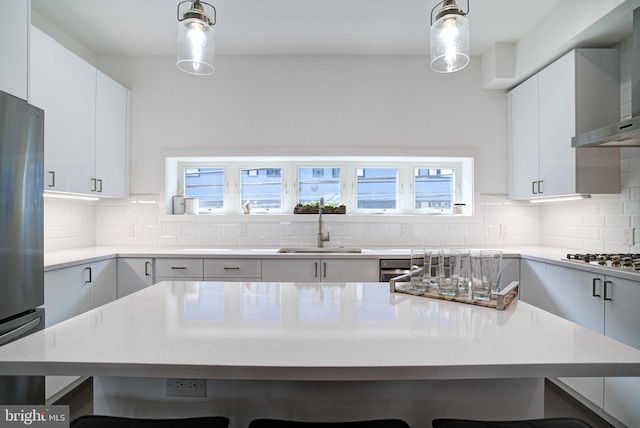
557 403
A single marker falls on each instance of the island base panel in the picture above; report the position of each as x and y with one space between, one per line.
417 402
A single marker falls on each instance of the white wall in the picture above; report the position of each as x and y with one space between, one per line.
307 104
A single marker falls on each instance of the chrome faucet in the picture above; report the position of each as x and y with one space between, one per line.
321 236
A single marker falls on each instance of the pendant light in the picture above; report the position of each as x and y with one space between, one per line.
449 38
196 39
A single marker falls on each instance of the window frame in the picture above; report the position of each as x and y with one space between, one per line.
462 186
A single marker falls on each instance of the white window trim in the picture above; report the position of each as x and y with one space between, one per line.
232 165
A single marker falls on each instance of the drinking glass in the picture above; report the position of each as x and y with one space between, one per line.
449 272
464 270
432 270
419 278
481 276
496 268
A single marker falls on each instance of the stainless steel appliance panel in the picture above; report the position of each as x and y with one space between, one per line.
21 206
17 390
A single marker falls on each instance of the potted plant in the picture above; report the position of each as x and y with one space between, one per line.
314 208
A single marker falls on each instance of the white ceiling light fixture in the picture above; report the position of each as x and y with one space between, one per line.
196 39
449 38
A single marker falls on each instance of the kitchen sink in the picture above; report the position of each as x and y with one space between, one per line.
320 250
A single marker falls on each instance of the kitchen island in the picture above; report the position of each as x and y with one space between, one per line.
331 351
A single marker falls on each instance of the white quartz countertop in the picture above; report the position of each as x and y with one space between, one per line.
299 331
62 258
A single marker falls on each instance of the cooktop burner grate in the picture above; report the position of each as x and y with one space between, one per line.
627 261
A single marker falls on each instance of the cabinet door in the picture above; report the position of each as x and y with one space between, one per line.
14 47
66 293
65 87
111 161
523 139
103 282
134 274
557 100
571 293
287 270
339 270
622 323
532 284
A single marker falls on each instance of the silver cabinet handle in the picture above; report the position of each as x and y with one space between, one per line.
52 174
146 268
533 188
99 181
606 288
324 269
315 274
593 287
93 184
540 187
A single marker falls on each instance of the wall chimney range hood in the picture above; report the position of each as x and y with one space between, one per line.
627 132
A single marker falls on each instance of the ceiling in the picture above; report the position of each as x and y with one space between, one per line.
250 27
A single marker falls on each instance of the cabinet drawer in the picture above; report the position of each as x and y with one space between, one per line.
179 268
232 268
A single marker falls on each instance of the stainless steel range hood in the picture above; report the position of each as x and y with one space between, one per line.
627 132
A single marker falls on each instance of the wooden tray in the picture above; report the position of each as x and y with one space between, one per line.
499 301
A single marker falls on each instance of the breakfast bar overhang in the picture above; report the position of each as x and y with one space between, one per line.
332 351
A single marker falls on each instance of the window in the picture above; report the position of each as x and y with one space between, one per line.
383 185
377 188
434 189
316 183
262 187
206 184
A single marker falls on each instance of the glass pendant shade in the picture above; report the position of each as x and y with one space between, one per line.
450 43
196 47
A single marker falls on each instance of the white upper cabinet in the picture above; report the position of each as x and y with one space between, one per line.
86 121
64 86
14 47
578 93
111 160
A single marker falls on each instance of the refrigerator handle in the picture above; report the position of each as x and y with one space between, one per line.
20 331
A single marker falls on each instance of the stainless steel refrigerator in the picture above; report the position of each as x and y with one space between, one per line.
21 242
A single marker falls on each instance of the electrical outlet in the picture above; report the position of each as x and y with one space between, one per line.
186 388
407 230
242 230
627 236
130 230
504 230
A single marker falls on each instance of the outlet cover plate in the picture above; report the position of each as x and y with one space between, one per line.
186 388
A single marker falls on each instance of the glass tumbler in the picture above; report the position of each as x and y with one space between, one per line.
464 270
481 276
448 273
496 268
419 278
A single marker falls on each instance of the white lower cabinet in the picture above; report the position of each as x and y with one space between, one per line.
320 270
179 269
232 270
622 323
134 274
602 303
71 291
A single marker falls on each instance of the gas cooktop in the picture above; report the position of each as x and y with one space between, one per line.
626 261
